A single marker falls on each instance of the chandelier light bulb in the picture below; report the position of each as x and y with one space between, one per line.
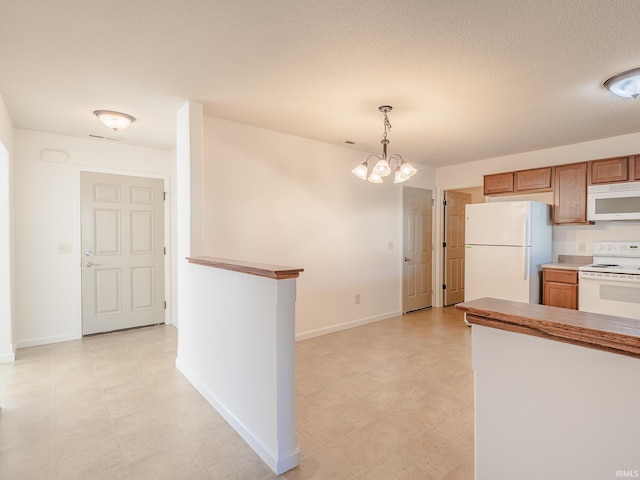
382 168
375 178
361 171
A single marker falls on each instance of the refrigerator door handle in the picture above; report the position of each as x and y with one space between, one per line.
525 263
525 229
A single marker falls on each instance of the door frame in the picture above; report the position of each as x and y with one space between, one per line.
168 258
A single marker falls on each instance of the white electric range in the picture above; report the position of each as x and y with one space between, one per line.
611 284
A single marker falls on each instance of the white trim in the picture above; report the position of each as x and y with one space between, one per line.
278 465
34 342
8 358
346 325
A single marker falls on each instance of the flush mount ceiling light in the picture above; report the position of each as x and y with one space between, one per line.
382 168
115 120
625 84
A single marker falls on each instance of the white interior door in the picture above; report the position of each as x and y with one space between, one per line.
122 252
417 288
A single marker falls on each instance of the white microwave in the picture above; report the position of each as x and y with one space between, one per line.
616 201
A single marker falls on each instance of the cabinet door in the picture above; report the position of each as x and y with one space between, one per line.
560 295
570 194
498 183
535 179
636 162
609 170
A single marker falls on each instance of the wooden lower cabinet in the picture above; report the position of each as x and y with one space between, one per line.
560 288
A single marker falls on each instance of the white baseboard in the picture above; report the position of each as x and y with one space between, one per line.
34 342
345 326
7 357
277 464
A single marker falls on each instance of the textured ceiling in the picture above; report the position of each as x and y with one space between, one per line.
468 79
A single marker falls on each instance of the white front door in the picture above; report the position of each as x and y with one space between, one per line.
417 289
122 252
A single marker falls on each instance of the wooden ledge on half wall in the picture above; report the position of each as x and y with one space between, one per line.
603 332
277 272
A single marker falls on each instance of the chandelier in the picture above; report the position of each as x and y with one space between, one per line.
382 168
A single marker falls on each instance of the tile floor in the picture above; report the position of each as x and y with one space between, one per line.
388 400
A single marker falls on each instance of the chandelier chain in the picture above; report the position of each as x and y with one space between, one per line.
387 125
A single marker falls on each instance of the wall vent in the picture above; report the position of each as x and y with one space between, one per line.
100 137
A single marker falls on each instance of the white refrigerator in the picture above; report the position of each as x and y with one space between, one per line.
505 245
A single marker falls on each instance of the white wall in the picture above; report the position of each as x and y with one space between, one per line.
46 212
6 300
566 238
280 199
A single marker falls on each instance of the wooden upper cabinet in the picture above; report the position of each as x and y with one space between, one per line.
570 194
498 183
609 170
635 162
538 179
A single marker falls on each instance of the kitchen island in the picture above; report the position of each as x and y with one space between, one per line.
557 392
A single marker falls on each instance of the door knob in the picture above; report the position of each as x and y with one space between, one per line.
89 264
407 259
88 253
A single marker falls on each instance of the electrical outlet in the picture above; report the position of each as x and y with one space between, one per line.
390 245
357 298
582 248
64 248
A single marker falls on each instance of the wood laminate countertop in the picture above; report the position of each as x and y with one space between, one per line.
277 272
602 332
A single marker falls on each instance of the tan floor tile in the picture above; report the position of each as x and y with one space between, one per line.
394 467
360 451
140 444
392 399
321 466
79 461
172 464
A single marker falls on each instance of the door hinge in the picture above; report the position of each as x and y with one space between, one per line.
444 244
165 304
444 287
444 203
165 250
164 195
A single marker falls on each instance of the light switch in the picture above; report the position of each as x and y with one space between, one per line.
64 248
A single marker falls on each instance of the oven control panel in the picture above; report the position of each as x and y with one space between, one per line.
617 249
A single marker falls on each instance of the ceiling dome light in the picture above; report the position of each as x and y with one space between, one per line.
382 168
625 84
115 120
